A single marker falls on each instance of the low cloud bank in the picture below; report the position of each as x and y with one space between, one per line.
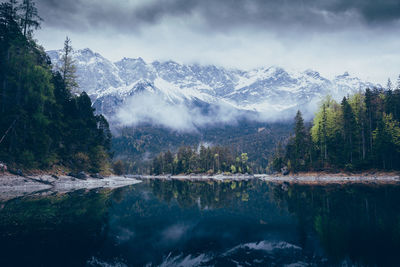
154 109
151 108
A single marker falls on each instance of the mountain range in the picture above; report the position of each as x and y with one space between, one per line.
266 92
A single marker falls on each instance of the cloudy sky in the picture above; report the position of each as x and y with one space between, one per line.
330 36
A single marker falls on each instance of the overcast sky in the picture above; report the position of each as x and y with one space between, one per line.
330 36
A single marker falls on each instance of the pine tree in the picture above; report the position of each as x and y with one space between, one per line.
369 113
389 85
9 18
30 18
203 159
396 96
398 83
382 144
168 162
68 68
243 159
348 129
298 148
299 139
390 102
358 105
13 6
324 132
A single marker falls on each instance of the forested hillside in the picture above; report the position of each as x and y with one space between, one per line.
362 132
41 122
137 146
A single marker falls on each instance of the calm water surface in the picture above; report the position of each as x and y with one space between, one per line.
184 223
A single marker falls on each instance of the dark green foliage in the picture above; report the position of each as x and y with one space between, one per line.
298 148
362 132
210 160
29 17
139 144
119 167
348 131
41 122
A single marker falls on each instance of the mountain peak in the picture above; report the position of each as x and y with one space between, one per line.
312 73
344 75
265 90
127 59
274 69
86 51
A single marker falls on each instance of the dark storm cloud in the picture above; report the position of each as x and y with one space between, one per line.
372 11
121 15
220 14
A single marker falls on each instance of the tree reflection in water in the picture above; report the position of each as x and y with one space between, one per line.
220 223
358 223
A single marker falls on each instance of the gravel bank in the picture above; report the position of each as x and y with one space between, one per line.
332 179
313 178
12 186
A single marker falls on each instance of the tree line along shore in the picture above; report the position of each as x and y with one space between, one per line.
361 133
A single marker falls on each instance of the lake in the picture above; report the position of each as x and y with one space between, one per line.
205 223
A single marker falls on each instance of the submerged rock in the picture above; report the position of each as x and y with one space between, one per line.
97 176
285 171
81 175
17 172
3 167
71 174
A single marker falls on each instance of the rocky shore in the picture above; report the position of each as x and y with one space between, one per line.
13 186
304 178
321 179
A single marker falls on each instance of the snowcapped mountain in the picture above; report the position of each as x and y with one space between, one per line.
262 90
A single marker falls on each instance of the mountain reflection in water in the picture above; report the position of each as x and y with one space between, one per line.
218 223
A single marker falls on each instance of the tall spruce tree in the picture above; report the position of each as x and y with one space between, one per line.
389 85
30 18
398 83
348 129
298 154
68 68
396 96
390 102
369 111
324 132
13 9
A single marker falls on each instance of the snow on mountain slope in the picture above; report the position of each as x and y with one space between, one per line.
94 71
263 90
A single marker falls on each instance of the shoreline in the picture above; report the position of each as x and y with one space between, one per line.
13 186
300 178
333 179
